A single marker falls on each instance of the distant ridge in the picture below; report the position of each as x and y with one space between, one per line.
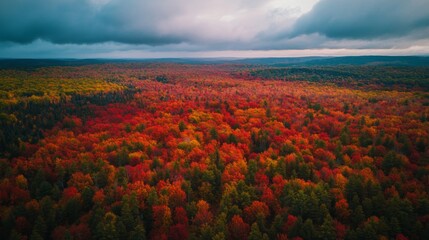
334 61
274 62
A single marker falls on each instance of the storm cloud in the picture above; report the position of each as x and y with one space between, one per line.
364 19
93 28
81 21
130 21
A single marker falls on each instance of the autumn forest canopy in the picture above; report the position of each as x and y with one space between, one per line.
237 149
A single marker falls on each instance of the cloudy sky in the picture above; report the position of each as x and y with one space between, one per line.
218 28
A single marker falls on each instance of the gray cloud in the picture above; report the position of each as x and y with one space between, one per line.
86 28
364 19
85 21
129 21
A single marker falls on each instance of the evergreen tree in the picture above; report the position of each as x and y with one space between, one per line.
39 228
357 216
213 134
126 216
139 233
327 229
308 231
106 229
255 233
390 161
87 194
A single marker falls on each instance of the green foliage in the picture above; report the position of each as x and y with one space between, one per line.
260 141
385 76
106 229
182 126
213 134
255 233
391 160
161 79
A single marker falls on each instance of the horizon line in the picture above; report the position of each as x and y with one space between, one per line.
208 58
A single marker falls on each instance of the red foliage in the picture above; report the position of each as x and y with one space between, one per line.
342 209
203 213
161 220
238 228
180 216
291 220
80 231
256 210
178 232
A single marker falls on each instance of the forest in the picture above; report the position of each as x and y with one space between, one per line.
163 150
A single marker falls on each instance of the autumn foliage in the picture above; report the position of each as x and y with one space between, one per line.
168 151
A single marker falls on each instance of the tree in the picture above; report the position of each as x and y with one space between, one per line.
72 209
121 176
308 231
180 216
87 195
260 141
79 231
182 126
48 212
122 158
127 217
256 210
238 228
39 229
327 229
138 233
203 214
391 160
255 233
213 134
342 209
220 228
232 139
357 216
345 136
161 219
178 232
80 181
106 229
354 187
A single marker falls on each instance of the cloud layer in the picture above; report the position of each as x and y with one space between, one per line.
132 21
103 26
81 21
364 19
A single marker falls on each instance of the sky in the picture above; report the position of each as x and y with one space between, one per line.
216 28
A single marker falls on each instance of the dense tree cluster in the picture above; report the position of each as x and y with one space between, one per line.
388 77
164 151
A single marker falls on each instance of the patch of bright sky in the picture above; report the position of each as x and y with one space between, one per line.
294 7
411 51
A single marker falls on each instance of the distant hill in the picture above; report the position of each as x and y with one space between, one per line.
275 62
38 63
373 60
335 61
278 61
28 64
